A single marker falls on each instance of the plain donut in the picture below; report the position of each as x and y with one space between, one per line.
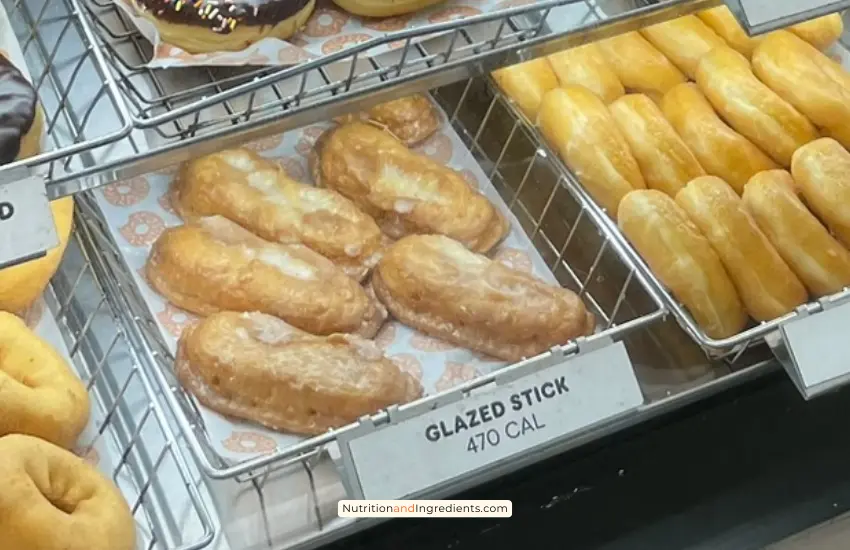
53 500
39 395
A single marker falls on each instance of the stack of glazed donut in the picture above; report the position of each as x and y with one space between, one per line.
722 157
50 499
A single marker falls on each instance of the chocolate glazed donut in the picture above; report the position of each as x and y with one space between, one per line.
20 116
202 26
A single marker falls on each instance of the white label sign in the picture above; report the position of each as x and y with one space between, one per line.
403 459
775 13
27 230
819 349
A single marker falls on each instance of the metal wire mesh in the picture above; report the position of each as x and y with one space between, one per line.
130 425
559 224
734 350
61 56
185 102
178 113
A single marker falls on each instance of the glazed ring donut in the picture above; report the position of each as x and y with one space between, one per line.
54 500
39 395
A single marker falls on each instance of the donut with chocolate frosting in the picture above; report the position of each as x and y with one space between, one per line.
205 26
20 114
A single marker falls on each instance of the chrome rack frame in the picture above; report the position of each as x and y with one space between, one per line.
61 53
731 348
225 107
560 224
504 168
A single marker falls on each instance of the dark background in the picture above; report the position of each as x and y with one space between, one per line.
739 471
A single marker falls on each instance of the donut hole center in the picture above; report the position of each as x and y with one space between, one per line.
64 505
65 493
59 497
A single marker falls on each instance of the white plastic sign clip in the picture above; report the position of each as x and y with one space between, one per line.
762 16
507 420
27 230
815 347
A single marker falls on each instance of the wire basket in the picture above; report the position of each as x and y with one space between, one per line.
145 460
559 224
61 54
731 349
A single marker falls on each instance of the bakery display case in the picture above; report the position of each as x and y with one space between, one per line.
400 257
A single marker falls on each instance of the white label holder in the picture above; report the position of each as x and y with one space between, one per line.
762 16
27 230
528 408
814 347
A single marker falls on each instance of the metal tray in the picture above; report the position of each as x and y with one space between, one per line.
559 224
672 370
729 348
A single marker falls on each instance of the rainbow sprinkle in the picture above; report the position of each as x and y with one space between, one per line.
209 10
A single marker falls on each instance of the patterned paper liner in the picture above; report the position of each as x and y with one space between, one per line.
137 214
329 30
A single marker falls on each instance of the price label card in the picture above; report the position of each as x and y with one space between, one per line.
760 16
817 349
436 447
27 230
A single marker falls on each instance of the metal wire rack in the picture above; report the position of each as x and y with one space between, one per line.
131 436
191 111
186 102
61 55
558 222
731 349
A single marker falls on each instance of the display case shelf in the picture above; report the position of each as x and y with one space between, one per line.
165 116
111 117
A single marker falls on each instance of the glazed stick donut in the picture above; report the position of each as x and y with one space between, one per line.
526 84
580 127
820 169
639 65
766 284
684 40
411 119
723 22
212 264
39 395
793 68
53 500
586 66
822 32
815 256
665 161
749 106
683 259
721 151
